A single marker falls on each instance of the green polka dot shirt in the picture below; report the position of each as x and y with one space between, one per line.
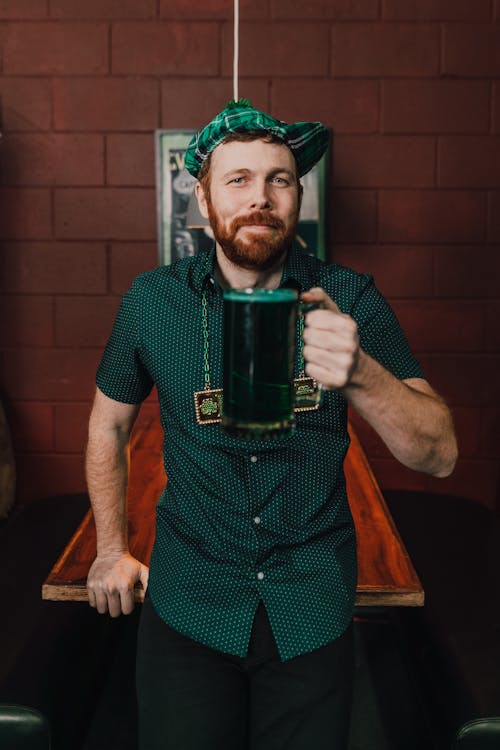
241 521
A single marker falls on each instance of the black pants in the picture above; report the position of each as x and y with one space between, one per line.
192 697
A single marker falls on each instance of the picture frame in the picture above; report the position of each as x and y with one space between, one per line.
181 229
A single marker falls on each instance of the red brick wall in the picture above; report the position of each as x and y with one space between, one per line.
412 92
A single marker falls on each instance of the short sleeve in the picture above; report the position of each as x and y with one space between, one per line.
121 374
381 335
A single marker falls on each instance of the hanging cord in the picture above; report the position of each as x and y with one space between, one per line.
236 50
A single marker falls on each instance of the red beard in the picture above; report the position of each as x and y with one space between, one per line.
258 252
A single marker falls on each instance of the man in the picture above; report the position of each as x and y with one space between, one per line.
246 637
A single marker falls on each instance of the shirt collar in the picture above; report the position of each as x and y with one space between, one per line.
300 270
202 274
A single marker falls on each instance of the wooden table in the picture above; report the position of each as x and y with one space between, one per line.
386 576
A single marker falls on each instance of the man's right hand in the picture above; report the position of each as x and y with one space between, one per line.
111 581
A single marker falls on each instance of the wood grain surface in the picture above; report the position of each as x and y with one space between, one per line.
386 576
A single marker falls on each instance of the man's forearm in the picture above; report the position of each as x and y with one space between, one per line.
107 461
412 420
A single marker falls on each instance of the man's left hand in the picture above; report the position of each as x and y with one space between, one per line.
331 342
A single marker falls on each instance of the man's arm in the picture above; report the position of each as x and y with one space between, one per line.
114 572
412 420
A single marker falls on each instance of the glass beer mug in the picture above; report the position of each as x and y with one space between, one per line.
260 334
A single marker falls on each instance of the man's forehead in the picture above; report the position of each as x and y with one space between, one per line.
252 154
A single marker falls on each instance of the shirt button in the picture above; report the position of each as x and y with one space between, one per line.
253 459
256 519
260 575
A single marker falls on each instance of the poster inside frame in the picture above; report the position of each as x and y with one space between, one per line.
175 186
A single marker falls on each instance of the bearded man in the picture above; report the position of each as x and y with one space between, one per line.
246 636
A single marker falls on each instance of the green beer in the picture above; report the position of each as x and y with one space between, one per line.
259 356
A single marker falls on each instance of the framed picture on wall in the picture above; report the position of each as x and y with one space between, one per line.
182 231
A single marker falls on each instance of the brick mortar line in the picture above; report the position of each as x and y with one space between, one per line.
475 244
203 77
220 40
57 240
329 50
78 133
382 134
62 297
265 20
159 114
109 272
52 186
52 210
487 216
97 186
96 241
54 319
432 301
102 133
104 161
473 458
249 76
23 453
438 355
52 104
53 425
417 189
380 105
493 94
50 402
51 347
110 48
441 49
437 152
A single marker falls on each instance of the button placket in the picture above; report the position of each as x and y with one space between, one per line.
253 460
256 519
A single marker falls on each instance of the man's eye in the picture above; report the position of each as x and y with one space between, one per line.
237 180
280 181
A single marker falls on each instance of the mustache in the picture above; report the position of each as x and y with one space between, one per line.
259 218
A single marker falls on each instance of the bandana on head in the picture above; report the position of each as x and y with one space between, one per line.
307 141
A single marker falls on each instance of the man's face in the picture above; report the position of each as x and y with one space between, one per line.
253 202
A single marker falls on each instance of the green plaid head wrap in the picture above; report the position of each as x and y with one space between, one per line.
307 141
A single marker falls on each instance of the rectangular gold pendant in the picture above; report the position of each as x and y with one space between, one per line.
308 395
208 403
208 406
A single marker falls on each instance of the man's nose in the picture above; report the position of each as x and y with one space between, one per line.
261 197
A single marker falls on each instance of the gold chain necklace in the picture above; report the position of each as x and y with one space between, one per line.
208 402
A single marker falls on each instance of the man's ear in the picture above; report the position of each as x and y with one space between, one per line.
202 200
301 193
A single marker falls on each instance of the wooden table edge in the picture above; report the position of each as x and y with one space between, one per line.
77 592
57 588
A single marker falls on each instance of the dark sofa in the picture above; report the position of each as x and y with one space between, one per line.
76 666
454 641
52 654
